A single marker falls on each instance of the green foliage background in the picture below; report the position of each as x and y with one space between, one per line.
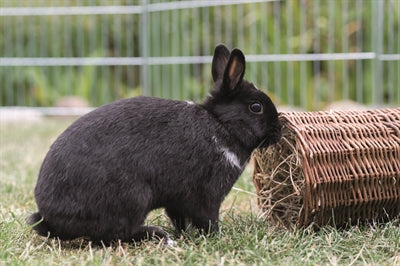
281 27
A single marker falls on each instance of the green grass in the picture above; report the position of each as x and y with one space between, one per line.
244 238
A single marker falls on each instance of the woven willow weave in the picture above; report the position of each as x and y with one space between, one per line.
331 168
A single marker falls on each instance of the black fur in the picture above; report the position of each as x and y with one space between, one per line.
111 167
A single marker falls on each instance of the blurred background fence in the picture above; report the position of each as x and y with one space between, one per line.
305 53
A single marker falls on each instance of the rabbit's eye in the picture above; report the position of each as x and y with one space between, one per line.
256 108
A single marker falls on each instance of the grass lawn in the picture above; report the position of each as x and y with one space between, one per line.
245 238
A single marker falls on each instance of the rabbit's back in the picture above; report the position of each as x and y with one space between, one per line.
128 141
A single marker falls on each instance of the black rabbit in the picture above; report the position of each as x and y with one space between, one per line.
111 167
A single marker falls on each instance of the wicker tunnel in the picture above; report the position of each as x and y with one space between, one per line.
331 168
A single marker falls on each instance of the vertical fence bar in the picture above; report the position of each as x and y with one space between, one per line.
54 52
359 73
331 49
165 86
144 70
175 39
258 72
129 51
303 69
167 48
390 50
31 46
19 52
373 27
92 42
240 26
277 44
317 49
43 43
117 49
264 46
253 44
380 90
398 51
345 49
289 37
67 30
217 25
180 27
105 70
80 51
205 15
377 17
195 51
45 47
228 25
155 71
80 38
184 51
178 50
8 51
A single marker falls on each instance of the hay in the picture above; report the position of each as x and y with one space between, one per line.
331 168
279 182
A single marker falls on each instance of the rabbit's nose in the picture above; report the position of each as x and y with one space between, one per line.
276 134
275 138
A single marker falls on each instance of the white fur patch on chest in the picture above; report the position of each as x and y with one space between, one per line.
230 157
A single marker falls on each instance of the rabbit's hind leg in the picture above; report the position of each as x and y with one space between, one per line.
206 221
180 221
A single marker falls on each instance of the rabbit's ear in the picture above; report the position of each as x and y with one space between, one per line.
220 59
234 70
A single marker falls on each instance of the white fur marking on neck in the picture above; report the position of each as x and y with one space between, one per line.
190 102
230 157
